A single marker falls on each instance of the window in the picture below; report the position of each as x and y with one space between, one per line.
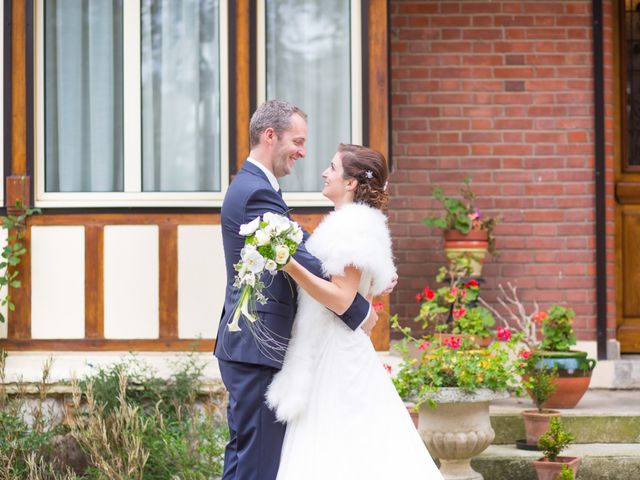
132 103
310 54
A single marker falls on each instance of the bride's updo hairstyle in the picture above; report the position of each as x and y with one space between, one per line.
369 168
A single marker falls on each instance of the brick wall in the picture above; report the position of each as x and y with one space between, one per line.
503 91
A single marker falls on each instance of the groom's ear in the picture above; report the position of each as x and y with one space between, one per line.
270 135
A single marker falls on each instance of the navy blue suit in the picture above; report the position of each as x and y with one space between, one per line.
253 452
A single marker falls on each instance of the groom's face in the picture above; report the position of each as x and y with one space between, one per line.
290 147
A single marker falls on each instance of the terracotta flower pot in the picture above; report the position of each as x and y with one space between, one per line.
475 243
537 423
413 413
548 470
574 377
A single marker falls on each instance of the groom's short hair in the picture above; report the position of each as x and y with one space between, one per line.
274 114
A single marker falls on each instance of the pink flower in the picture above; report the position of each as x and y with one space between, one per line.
460 312
424 345
503 334
463 293
387 367
378 306
526 354
452 342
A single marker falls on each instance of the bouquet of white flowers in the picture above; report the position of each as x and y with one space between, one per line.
270 241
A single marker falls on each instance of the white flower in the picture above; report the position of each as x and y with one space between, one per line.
271 266
282 254
253 260
248 228
296 235
249 279
262 237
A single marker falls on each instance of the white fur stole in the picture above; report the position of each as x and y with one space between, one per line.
354 235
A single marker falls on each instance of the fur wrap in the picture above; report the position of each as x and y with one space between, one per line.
354 235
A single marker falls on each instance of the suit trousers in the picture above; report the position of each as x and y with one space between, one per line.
255 436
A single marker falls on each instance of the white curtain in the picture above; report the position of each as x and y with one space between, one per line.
180 95
308 62
83 96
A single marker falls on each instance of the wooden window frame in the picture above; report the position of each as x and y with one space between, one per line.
132 196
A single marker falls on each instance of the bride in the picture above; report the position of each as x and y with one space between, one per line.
344 418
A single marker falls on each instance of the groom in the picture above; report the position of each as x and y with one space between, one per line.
278 133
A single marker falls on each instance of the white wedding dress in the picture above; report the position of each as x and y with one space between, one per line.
345 420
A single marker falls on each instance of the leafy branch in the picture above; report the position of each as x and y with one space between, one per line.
12 250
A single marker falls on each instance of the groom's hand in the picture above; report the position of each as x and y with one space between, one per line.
370 322
391 286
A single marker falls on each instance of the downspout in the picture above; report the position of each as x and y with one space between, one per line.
601 239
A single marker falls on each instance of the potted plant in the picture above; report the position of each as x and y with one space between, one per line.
552 443
539 383
573 367
554 351
452 310
452 383
467 232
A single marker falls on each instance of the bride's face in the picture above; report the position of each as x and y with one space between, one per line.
336 187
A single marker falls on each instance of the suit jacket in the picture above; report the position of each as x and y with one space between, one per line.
250 195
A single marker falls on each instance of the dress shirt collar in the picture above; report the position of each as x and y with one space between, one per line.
270 176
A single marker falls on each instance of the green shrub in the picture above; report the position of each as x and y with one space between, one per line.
554 440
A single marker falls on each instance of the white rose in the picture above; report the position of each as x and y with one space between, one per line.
282 254
296 235
271 266
262 237
248 228
253 261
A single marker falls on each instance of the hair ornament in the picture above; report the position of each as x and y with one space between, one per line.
368 174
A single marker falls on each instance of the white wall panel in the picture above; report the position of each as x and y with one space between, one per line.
57 282
3 291
201 280
131 281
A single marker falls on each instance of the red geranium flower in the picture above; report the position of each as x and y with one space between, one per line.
424 345
429 293
387 367
503 334
539 317
526 354
418 297
471 283
378 306
460 312
452 342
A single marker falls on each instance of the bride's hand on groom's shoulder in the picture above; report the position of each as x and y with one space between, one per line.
392 285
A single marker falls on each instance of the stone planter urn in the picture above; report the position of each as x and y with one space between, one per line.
458 429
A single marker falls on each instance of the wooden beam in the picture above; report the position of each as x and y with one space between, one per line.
19 321
104 345
242 82
94 281
168 278
18 88
140 218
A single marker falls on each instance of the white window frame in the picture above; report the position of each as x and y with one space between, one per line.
132 196
316 199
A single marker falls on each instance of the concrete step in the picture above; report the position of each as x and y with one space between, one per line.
602 416
599 462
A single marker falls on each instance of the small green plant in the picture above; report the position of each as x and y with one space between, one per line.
11 253
557 328
461 214
555 440
566 473
538 380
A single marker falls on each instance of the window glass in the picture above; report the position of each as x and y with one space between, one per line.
308 62
180 95
83 96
